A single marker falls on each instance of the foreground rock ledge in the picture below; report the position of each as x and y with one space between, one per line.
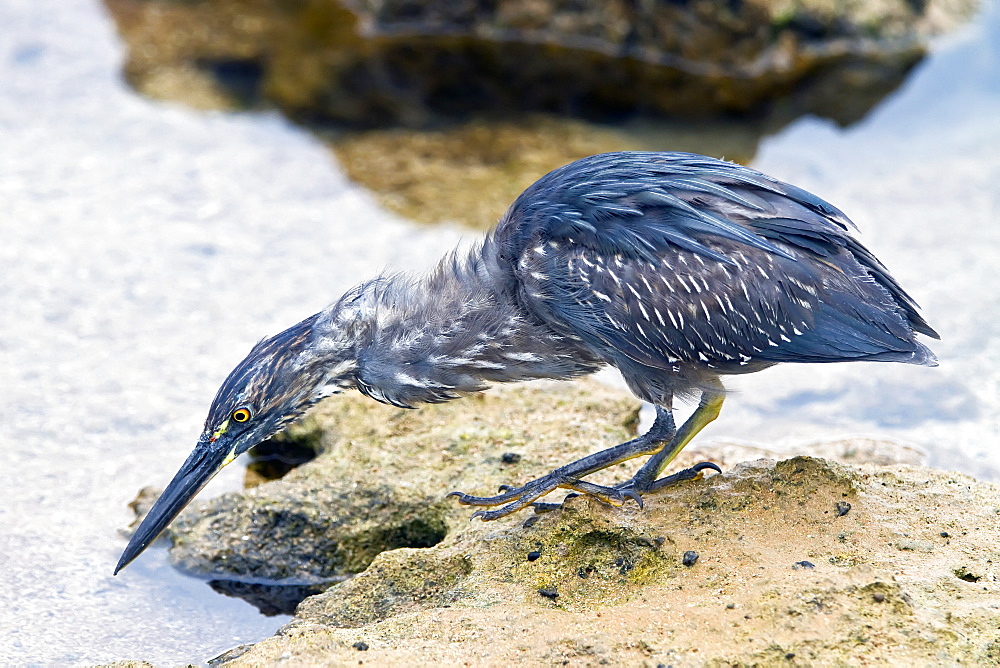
798 561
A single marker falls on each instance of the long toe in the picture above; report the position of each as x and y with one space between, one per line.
611 495
508 493
693 473
546 507
517 498
527 498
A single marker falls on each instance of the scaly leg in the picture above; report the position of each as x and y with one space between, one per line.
569 476
662 441
645 479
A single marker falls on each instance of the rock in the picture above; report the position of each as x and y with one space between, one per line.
862 597
908 575
380 483
447 111
417 63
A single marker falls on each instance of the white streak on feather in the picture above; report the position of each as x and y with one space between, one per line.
523 357
407 379
485 364
659 317
601 295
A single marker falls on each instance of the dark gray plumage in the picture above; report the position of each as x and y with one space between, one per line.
673 267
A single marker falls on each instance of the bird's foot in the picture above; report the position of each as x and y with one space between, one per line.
517 498
638 485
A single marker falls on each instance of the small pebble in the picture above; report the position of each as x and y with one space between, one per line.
843 507
879 597
689 558
790 656
510 458
549 593
803 564
361 646
945 534
534 555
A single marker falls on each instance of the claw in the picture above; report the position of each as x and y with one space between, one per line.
692 473
632 494
488 515
706 465
505 496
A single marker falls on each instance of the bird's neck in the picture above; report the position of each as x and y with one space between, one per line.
452 332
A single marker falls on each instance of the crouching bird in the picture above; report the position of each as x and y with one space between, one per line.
673 267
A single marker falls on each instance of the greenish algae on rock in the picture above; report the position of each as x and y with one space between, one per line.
802 561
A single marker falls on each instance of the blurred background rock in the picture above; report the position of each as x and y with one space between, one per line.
447 110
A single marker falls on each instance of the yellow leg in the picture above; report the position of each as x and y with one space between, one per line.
708 409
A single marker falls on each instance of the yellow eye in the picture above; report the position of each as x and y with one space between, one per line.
241 414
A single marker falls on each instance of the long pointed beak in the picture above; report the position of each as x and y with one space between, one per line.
207 459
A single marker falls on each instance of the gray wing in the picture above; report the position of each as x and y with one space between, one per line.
668 258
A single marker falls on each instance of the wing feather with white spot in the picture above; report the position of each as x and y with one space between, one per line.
666 257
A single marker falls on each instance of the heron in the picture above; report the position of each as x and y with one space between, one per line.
675 268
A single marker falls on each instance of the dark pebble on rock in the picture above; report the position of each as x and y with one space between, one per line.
689 558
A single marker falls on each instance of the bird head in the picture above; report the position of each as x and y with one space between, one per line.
280 378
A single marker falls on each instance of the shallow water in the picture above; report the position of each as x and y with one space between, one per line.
146 247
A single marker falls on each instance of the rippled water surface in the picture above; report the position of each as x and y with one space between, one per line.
145 247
